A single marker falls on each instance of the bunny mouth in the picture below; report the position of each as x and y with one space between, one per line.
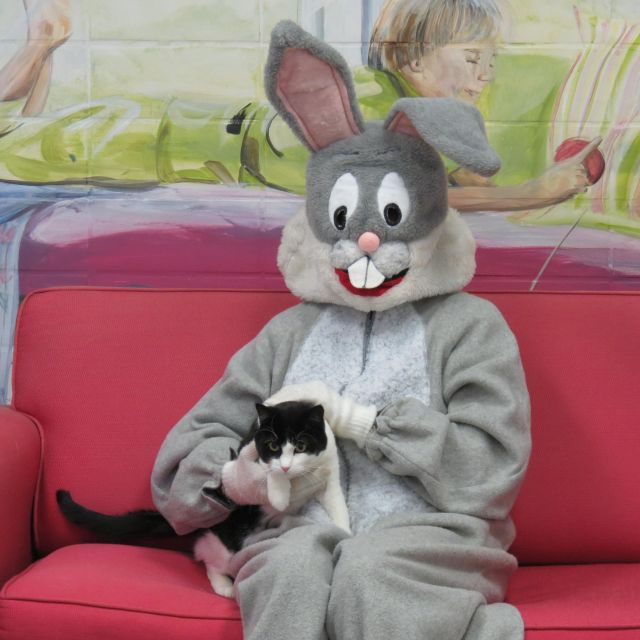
363 278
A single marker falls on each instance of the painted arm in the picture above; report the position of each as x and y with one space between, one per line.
558 183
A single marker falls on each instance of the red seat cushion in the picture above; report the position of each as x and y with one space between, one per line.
594 602
102 592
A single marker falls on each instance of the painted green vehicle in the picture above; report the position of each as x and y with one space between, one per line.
137 141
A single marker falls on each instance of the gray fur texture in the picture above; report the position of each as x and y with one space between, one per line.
288 35
453 127
369 157
380 179
441 262
390 259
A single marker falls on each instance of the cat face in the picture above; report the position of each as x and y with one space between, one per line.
291 437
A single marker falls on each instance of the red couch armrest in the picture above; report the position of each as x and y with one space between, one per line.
20 455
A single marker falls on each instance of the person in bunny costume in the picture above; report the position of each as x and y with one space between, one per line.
422 385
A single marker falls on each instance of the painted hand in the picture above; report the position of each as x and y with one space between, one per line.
564 179
347 418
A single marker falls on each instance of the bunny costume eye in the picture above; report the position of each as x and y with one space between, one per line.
343 200
393 199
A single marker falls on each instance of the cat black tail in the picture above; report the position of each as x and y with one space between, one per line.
134 523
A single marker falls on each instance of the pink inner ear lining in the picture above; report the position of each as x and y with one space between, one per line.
316 96
402 124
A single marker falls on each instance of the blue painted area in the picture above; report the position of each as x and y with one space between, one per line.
17 199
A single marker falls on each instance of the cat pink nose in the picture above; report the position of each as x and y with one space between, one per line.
369 242
285 469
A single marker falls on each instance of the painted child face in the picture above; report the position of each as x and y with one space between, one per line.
455 71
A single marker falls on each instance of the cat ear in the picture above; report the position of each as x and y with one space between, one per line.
264 413
453 127
316 414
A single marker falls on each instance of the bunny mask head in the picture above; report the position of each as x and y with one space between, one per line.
377 230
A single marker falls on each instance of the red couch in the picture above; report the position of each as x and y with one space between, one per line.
100 375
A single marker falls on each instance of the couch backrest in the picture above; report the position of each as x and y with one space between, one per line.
107 372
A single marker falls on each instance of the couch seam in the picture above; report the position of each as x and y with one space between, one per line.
3 592
3 601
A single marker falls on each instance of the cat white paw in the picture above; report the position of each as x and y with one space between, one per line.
221 584
278 490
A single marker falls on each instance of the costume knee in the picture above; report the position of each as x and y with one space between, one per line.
294 558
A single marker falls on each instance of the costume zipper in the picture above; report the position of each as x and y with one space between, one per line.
368 330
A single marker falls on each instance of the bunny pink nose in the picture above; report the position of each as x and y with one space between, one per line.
369 242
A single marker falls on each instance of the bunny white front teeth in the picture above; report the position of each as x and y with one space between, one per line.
363 278
363 274
388 283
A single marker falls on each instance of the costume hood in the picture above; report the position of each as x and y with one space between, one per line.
376 230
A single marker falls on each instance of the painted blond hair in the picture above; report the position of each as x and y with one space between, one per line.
406 29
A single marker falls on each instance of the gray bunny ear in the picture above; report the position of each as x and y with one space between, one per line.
310 85
453 127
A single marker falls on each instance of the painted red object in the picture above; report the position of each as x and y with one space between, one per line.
106 372
593 163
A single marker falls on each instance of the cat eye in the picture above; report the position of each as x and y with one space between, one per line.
273 446
301 447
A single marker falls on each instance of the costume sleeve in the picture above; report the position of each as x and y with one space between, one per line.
186 478
472 457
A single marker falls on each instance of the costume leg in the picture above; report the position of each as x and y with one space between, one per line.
429 577
283 581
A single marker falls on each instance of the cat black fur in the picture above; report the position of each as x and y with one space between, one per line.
294 422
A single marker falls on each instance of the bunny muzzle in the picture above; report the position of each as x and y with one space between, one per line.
367 267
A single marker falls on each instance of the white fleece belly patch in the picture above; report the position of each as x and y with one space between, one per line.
373 363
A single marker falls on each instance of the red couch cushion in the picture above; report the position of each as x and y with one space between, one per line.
594 602
102 592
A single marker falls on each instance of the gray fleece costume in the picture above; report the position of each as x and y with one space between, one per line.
430 490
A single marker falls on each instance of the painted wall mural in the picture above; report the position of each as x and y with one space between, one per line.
137 147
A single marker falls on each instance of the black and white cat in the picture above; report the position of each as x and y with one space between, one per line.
293 443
